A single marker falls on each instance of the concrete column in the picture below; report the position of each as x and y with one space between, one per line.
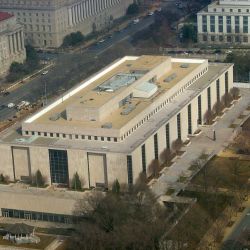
241 24
78 13
216 24
87 8
13 43
18 41
70 16
10 44
73 15
81 11
22 39
84 10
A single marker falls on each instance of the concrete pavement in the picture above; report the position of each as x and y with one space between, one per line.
202 144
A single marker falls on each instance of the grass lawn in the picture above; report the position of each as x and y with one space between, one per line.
193 226
224 173
45 241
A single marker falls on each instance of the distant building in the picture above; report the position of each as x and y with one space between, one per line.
225 22
11 42
46 23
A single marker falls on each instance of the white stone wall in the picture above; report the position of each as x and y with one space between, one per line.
11 44
46 26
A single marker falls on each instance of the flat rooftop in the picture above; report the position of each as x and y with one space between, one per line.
114 80
13 137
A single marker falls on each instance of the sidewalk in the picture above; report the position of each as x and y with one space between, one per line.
203 143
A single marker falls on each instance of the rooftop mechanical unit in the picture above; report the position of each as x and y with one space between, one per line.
170 78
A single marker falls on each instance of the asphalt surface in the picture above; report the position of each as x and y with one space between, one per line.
54 81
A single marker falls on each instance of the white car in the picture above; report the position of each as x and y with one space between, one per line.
135 21
151 13
45 72
11 105
101 41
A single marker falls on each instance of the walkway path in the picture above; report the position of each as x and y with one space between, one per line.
203 144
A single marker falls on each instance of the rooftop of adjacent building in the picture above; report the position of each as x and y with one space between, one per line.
114 83
5 16
12 136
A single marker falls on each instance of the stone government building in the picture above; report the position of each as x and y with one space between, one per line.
11 42
113 125
225 22
47 22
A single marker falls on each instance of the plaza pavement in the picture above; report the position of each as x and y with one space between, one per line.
202 143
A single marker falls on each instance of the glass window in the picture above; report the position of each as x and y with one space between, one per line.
179 126
209 98
156 146
59 166
130 169
199 110
189 119
143 158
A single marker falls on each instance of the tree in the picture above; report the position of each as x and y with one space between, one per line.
218 107
226 99
208 117
176 145
130 220
235 92
73 39
38 179
154 168
76 183
189 33
166 156
116 187
133 9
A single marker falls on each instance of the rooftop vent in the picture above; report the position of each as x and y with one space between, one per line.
55 117
170 78
184 66
107 125
128 109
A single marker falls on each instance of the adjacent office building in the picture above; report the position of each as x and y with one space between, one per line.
11 42
225 22
46 23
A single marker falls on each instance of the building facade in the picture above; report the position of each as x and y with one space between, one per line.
225 22
113 125
46 23
11 42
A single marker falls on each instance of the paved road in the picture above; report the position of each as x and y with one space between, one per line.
67 66
71 68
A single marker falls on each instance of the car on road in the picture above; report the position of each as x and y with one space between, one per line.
22 104
101 41
135 21
45 72
11 105
151 13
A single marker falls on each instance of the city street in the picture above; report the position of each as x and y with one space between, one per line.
65 65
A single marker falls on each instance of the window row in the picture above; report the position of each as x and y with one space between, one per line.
71 136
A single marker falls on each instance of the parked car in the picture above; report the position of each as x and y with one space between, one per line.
11 105
135 21
45 72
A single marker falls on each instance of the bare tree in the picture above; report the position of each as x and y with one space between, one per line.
176 145
166 156
129 220
235 92
208 117
154 168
